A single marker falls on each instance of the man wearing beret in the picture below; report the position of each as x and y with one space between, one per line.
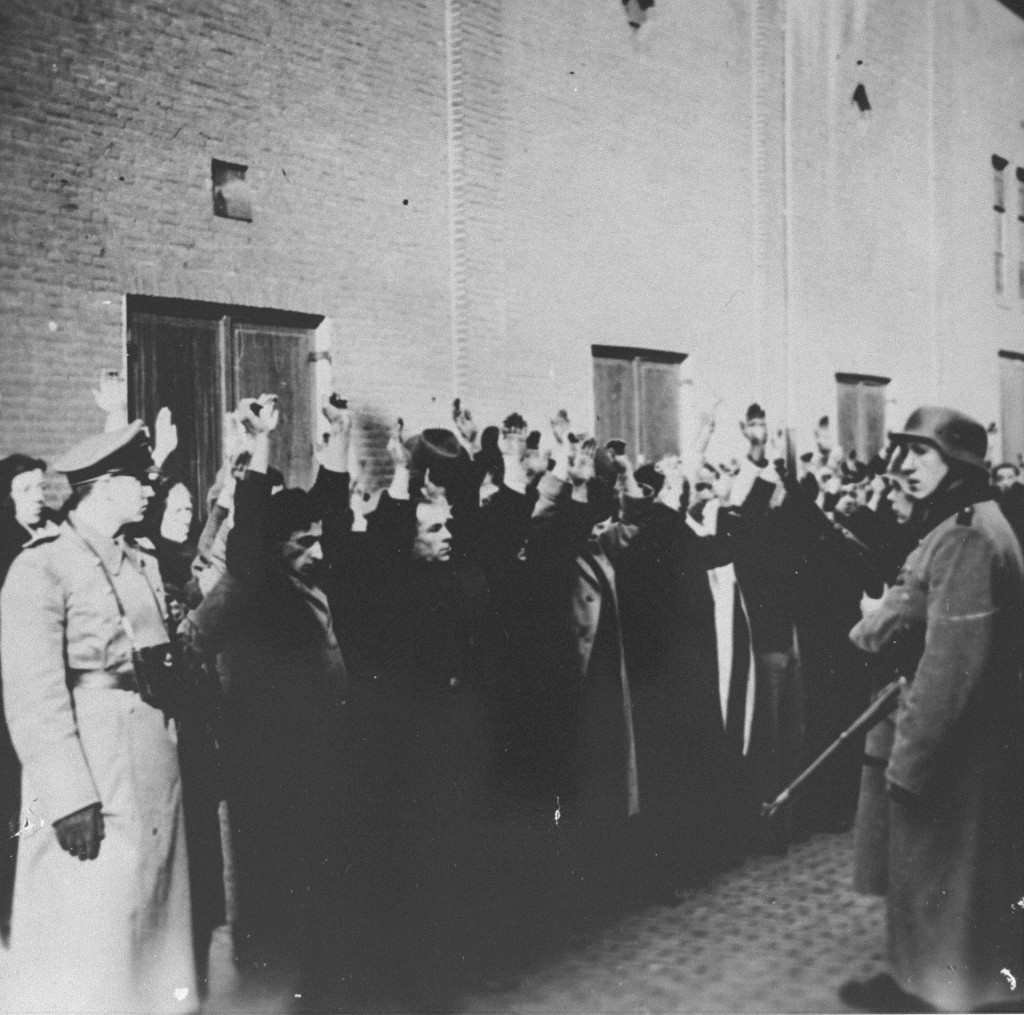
101 919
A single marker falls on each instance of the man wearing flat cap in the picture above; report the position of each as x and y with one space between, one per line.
101 918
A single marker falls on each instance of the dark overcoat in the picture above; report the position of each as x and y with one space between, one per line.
956 867
285 732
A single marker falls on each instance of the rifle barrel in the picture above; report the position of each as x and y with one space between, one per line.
875 713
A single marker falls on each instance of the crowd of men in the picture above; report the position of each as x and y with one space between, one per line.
531 675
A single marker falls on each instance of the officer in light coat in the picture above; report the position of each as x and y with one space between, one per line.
955 776
101 918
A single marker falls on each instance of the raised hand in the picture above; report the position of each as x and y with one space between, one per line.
464 422
674 471
775 450
333 454
396 446
431 491
512 442
338 414
705 430
165 436
561 427
581 463
259 416
112 399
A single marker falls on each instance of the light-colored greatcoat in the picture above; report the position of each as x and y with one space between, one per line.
114 933
956 876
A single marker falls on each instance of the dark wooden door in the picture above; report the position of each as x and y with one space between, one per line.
277 360
636 399
174 362
659 409
199 358
615 402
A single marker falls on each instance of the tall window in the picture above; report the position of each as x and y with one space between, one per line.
636 399
1020 232
999 207
1011 399
860 399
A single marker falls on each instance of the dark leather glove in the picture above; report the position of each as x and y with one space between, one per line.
80 833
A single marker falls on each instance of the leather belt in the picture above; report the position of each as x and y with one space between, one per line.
103 680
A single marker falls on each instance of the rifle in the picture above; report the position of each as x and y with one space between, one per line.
880 708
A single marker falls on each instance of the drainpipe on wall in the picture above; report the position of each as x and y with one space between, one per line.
787 186
456 194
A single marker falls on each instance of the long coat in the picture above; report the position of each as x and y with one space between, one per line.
283 735
956 860
114 933
672 651
574 606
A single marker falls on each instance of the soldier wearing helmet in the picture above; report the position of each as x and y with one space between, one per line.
954 774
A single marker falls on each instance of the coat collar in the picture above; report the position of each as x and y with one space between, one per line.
111 552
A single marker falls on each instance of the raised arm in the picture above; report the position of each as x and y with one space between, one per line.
247 550
332 485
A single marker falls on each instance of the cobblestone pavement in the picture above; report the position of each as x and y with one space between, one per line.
778 934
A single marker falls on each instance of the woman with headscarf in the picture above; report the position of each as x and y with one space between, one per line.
954 776
165 531
23 515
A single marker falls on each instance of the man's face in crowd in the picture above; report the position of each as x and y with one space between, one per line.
27 496
302 552
756 431
125 496
828 481
924 469
823 440
599 529
1005 477
433 542
847 503
704 487
722 486
177 519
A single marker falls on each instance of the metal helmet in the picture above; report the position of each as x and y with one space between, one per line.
955 434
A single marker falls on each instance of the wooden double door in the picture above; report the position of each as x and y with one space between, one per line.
636 399
199 359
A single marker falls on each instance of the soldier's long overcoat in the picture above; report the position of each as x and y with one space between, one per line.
113 933
956 873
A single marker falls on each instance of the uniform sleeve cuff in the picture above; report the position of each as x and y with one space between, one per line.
60 782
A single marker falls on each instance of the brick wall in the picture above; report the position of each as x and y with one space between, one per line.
473 192
110 112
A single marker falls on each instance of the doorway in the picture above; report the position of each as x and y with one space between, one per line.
636 399
199 358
